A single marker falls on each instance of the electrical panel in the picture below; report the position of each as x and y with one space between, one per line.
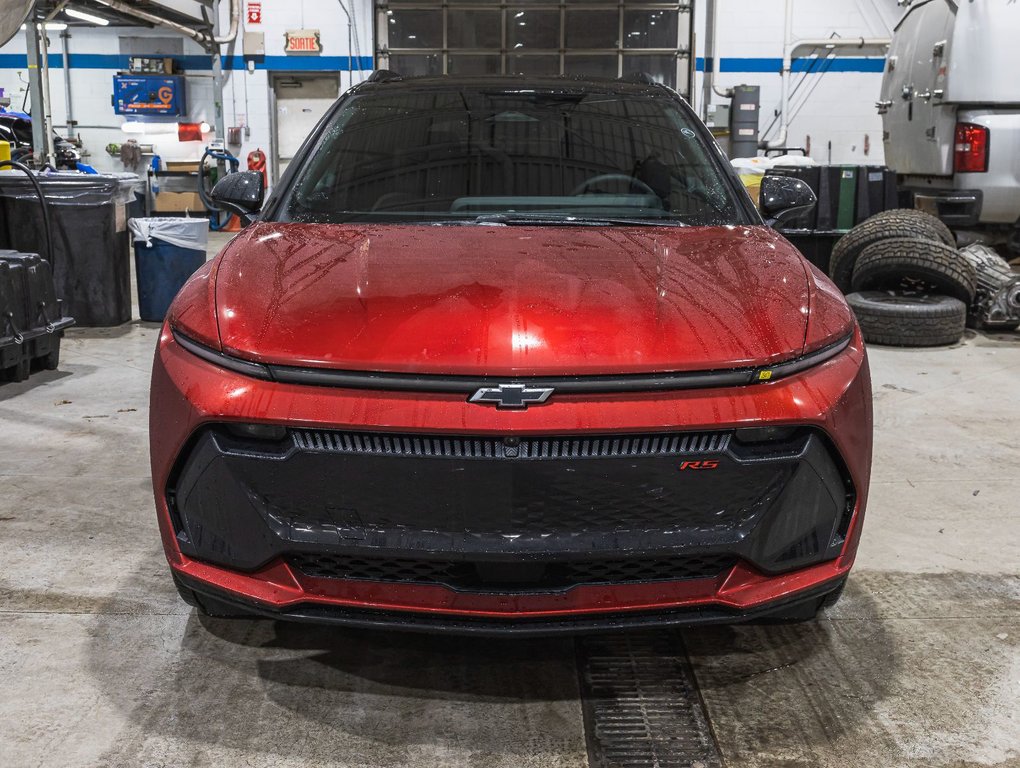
149 95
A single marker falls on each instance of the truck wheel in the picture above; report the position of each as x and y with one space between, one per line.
905 264
900 222
900 320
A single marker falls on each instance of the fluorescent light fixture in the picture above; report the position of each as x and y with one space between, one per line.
52 26
74 13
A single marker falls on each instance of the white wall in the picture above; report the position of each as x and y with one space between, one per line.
749 37
95 59
841 107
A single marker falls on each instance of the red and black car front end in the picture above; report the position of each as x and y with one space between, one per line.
519 503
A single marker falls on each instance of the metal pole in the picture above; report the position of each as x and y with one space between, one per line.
784 109
47 115
65 36
708 79
35 90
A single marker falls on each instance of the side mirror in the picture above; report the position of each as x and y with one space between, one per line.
784 197
240 193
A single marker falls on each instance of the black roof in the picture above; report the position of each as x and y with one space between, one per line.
631 84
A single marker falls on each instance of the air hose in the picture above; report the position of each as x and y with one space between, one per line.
215 224
42 204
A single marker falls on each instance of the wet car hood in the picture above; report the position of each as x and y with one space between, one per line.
492 300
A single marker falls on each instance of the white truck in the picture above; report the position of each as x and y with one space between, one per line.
950 105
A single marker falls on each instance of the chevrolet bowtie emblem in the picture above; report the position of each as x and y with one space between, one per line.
511 395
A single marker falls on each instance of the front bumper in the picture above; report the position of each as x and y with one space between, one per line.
267 526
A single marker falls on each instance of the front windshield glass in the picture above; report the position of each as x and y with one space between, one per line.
477 155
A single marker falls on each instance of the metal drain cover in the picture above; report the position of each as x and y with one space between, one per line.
641 705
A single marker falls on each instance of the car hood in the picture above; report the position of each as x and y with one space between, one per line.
498 300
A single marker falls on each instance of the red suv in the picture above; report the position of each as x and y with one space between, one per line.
510 355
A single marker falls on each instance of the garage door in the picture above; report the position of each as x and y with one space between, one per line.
532 37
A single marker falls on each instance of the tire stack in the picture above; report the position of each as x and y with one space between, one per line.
904 279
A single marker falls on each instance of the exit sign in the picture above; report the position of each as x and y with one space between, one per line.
302 41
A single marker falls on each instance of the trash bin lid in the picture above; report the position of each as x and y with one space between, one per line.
180 231
71 187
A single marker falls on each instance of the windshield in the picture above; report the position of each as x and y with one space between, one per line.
476 155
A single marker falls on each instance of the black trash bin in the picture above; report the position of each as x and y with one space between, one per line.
91 245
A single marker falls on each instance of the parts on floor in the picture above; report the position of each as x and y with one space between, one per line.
997 294
911 286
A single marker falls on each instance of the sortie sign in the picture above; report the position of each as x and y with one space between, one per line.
302 41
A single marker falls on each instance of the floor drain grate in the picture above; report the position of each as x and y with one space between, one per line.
641 706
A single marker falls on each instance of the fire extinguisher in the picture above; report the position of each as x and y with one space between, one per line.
257 162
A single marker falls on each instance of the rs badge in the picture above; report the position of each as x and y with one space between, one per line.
704 464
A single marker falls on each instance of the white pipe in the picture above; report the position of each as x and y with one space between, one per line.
784 101
832 45
708 81
235 19
840 44
199 37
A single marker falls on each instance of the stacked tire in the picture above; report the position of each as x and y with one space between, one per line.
904 279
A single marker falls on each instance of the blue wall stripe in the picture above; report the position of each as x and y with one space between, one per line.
774 65
115 61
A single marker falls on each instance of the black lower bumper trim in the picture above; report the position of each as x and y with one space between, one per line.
800 607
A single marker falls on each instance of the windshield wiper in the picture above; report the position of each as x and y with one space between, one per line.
521 220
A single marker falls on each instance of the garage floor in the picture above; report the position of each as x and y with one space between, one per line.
102 665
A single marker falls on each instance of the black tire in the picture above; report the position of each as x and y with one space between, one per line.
904 264
899 320
900 222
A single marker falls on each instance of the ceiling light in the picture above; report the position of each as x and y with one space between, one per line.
76 14
52 26
137 126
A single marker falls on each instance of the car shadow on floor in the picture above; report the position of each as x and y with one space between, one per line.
430 666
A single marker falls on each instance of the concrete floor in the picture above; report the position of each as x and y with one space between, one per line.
102 665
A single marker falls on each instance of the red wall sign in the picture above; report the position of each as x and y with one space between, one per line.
253 12
302 41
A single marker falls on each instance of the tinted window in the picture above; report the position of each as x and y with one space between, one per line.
461 153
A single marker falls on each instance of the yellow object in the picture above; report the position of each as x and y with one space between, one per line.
5 151
764 375
752 183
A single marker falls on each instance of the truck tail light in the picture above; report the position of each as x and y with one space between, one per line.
970 150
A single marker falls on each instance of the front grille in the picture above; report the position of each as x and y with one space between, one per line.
510 448
566 509
514 576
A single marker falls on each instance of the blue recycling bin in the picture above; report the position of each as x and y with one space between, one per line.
167 253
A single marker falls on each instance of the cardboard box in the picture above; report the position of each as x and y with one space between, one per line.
178 202
182 166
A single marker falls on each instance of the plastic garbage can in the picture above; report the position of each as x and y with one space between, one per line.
91 251
167 253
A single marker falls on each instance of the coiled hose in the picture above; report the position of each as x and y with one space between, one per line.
215 224
42 203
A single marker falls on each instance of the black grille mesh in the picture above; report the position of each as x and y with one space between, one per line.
520 576
513 448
